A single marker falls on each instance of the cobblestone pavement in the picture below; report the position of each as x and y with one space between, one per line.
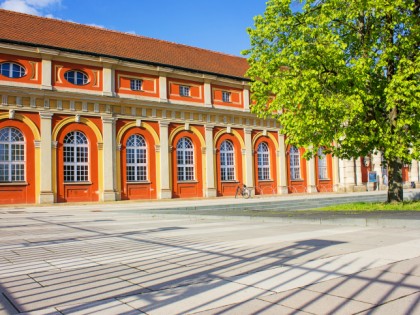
84 260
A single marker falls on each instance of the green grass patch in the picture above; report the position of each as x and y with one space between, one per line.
374 206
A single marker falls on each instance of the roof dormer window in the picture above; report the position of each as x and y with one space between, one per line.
12 70
76 77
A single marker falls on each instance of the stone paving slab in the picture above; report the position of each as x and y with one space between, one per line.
407 305
120 262
317 303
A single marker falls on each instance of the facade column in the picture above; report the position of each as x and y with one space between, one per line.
249 178
109 158
336 173
46 191
165 189
163 88
359 183
376 166
347 175
46 74
246 99
109 79
210 183
282 166
207 94
310 165
414 173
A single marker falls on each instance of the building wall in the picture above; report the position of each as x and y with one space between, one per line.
47 108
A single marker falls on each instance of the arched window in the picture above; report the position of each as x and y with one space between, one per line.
136 159
12 70
185 159
76 77
12 155
263 157
76 157
322 164
294 163
227 161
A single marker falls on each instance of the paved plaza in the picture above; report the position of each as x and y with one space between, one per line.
112 259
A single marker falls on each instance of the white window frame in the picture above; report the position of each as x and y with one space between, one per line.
294 158
9 72
184 90
226 96
322 165
136 84
12 155
76 157
263 161
136 159
185 160
74 80
227 161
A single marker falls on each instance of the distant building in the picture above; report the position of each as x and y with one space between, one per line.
89 114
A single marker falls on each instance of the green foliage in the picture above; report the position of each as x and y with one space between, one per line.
340 72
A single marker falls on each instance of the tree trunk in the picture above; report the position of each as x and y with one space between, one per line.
395 187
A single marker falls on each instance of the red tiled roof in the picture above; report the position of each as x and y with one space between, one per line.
46 32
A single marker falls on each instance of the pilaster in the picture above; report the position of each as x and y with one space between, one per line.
207 94
109 158
311 187
46 192
249 178
281 166
109 79
46 74
246 99
163 88
336 173
210 183
165 189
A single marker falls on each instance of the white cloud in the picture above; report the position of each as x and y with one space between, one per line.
35 7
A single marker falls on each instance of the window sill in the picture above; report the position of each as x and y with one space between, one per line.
266 180
297 180
13 184
230 181
77 183
324 179
187 181
139 182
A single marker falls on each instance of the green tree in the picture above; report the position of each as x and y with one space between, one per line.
341 74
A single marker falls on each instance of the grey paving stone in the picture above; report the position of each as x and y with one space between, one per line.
104 307
370 286
253 307
316 303
405 305
194 298
408 267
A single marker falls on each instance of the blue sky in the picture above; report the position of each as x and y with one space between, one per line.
218 25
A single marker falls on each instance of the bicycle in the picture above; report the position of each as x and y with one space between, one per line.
244 191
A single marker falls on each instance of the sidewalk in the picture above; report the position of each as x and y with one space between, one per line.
285 208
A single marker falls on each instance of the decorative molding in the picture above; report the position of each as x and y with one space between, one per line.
37 144
203 150
108 120
164 123
84 106
154 113
54 144
11 114
138 122
46 115
228 129
46 103
108 109
77 118
100 145
96 107
4 100
157 148
209 127
72 105
59 104
264 133
143 112
119 146
248 131
187 126
19 101
243 151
